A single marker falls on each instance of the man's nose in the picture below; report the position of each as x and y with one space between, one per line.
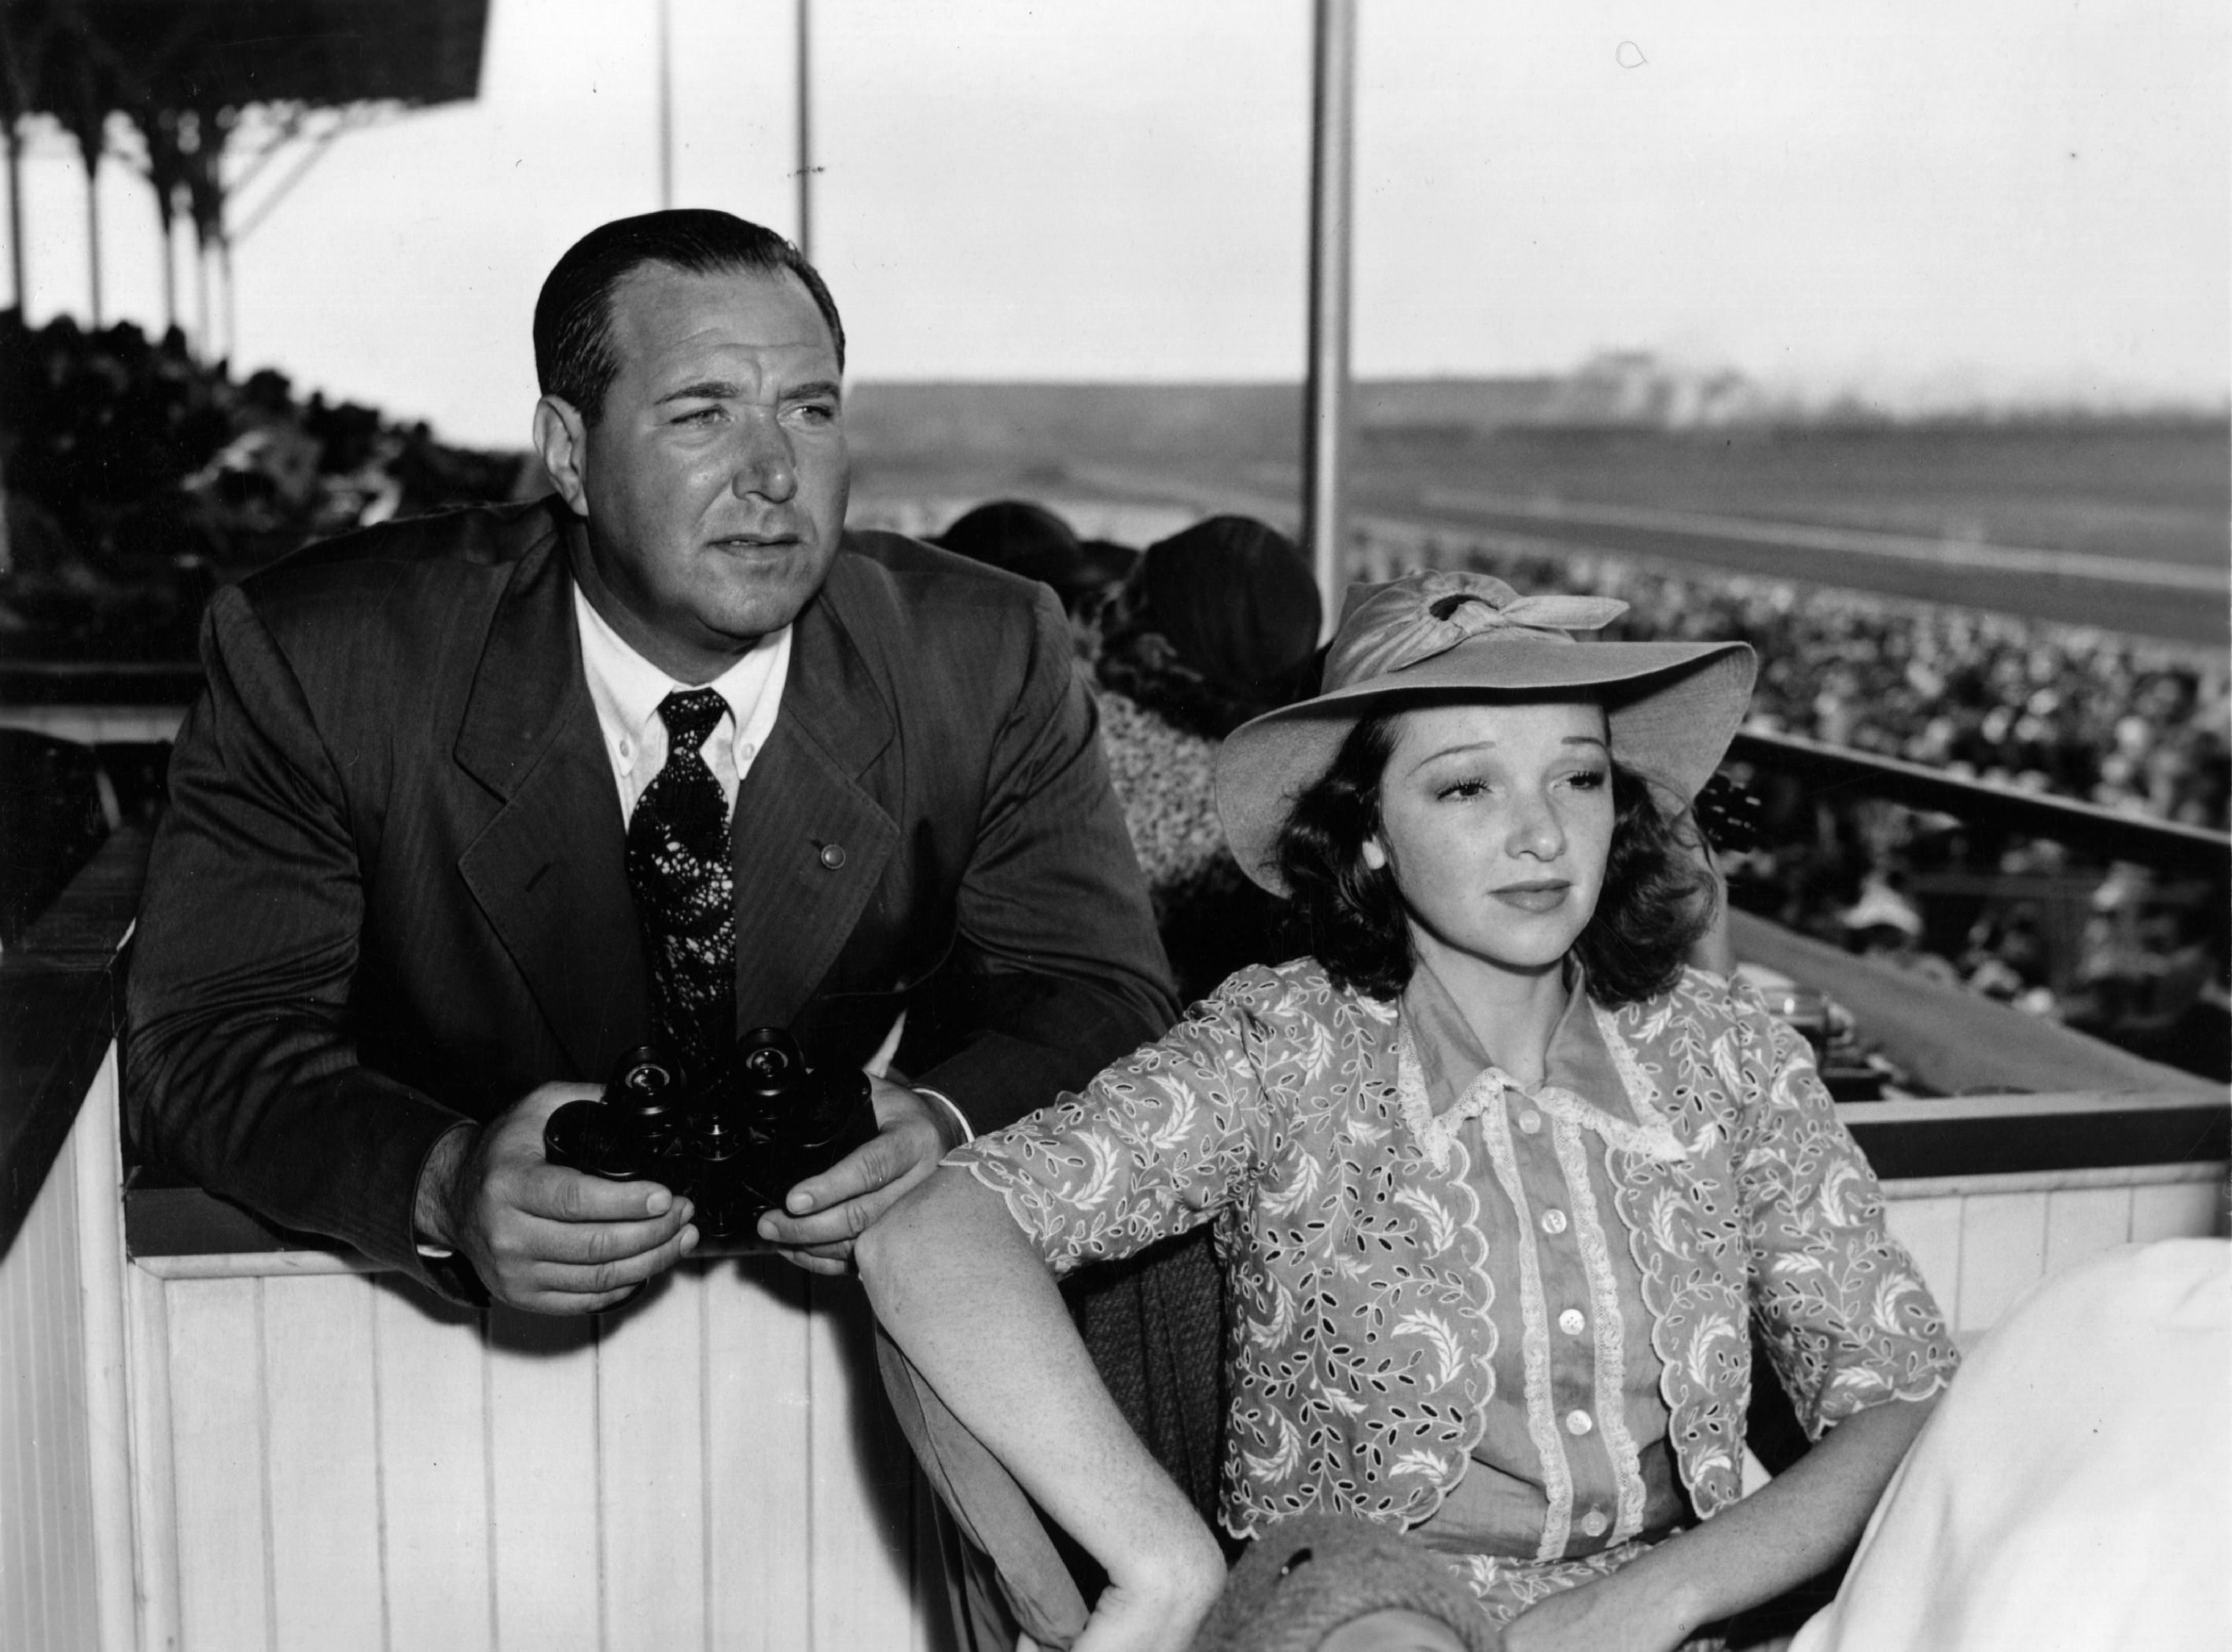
764 463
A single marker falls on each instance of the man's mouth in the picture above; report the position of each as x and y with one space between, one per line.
753 540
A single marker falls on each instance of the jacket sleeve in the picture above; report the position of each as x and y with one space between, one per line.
1154 1145
1061 971
240 1069
1843 1312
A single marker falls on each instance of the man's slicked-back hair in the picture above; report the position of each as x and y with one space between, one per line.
573 358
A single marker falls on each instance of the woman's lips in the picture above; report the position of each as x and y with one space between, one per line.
1532 897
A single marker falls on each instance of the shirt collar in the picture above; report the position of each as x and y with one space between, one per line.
1450 1056
626 688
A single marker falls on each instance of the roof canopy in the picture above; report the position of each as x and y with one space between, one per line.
209 55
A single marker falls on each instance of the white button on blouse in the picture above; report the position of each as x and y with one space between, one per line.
1579 1423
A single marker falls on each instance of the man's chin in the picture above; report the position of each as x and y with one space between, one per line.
741 620
764 593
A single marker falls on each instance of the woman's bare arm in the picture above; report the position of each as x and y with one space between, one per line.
962 1291
1794 1528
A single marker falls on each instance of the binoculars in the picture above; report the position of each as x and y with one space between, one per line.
732 1137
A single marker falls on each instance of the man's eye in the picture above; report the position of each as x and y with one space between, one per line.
698 416
816 412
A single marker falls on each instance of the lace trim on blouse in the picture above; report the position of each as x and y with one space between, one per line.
1439 1136
1610 1331
1534 1340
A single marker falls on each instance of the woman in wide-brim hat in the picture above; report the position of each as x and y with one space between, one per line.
1500 1182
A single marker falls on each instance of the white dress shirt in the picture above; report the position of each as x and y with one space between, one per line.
627 690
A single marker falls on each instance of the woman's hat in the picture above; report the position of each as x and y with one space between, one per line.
1673 706
1306 1576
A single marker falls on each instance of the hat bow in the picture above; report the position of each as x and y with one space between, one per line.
1391 628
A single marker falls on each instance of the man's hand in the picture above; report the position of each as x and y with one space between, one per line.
824 1215
542 1237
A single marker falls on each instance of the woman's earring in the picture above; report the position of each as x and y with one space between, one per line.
1375 856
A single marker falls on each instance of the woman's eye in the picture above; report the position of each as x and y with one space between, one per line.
1463 791
1590 780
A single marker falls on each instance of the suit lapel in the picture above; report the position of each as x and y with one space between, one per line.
811 839
549 870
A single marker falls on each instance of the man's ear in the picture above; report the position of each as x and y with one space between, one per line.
1375 855
561 435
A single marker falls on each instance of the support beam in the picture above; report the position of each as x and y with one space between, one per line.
93 231
665 105
170 258
805 103
21 291
1325 414
204 343
231 311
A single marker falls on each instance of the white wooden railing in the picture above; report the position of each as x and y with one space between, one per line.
273 1450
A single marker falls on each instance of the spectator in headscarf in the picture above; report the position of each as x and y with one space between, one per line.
1217 624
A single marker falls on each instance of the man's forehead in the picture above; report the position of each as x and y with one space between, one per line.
664 316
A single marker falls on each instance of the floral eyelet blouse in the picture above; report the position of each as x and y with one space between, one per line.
1508 1319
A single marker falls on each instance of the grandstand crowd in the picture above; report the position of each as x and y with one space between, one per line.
1216 624
136 478
2075 712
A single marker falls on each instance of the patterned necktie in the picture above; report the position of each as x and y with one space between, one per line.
677 864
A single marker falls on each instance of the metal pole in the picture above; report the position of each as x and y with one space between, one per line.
805 133
665 107
16 225
1325 414
93 228
170 258
231 311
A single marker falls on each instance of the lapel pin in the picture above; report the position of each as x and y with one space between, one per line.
833 855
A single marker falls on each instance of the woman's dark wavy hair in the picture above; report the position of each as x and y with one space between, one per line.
1143 667
1656 901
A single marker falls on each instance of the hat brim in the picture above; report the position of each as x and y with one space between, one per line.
1673 707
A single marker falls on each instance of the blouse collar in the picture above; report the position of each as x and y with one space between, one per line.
1585 1078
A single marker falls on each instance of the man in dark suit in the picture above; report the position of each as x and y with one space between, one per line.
474 804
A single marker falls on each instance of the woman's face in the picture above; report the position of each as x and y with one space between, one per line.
1496 820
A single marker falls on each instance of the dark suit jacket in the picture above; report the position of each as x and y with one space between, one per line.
389 892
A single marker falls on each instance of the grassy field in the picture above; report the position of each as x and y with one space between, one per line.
2121 524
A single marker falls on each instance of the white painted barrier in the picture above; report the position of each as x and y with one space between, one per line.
275 1451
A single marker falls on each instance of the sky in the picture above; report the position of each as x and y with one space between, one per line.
2004 201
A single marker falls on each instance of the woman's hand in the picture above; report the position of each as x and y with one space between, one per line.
1601 1616
1794 1528
964 1292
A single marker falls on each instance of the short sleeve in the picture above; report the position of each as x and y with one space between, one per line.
1158 1144
1844 1314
